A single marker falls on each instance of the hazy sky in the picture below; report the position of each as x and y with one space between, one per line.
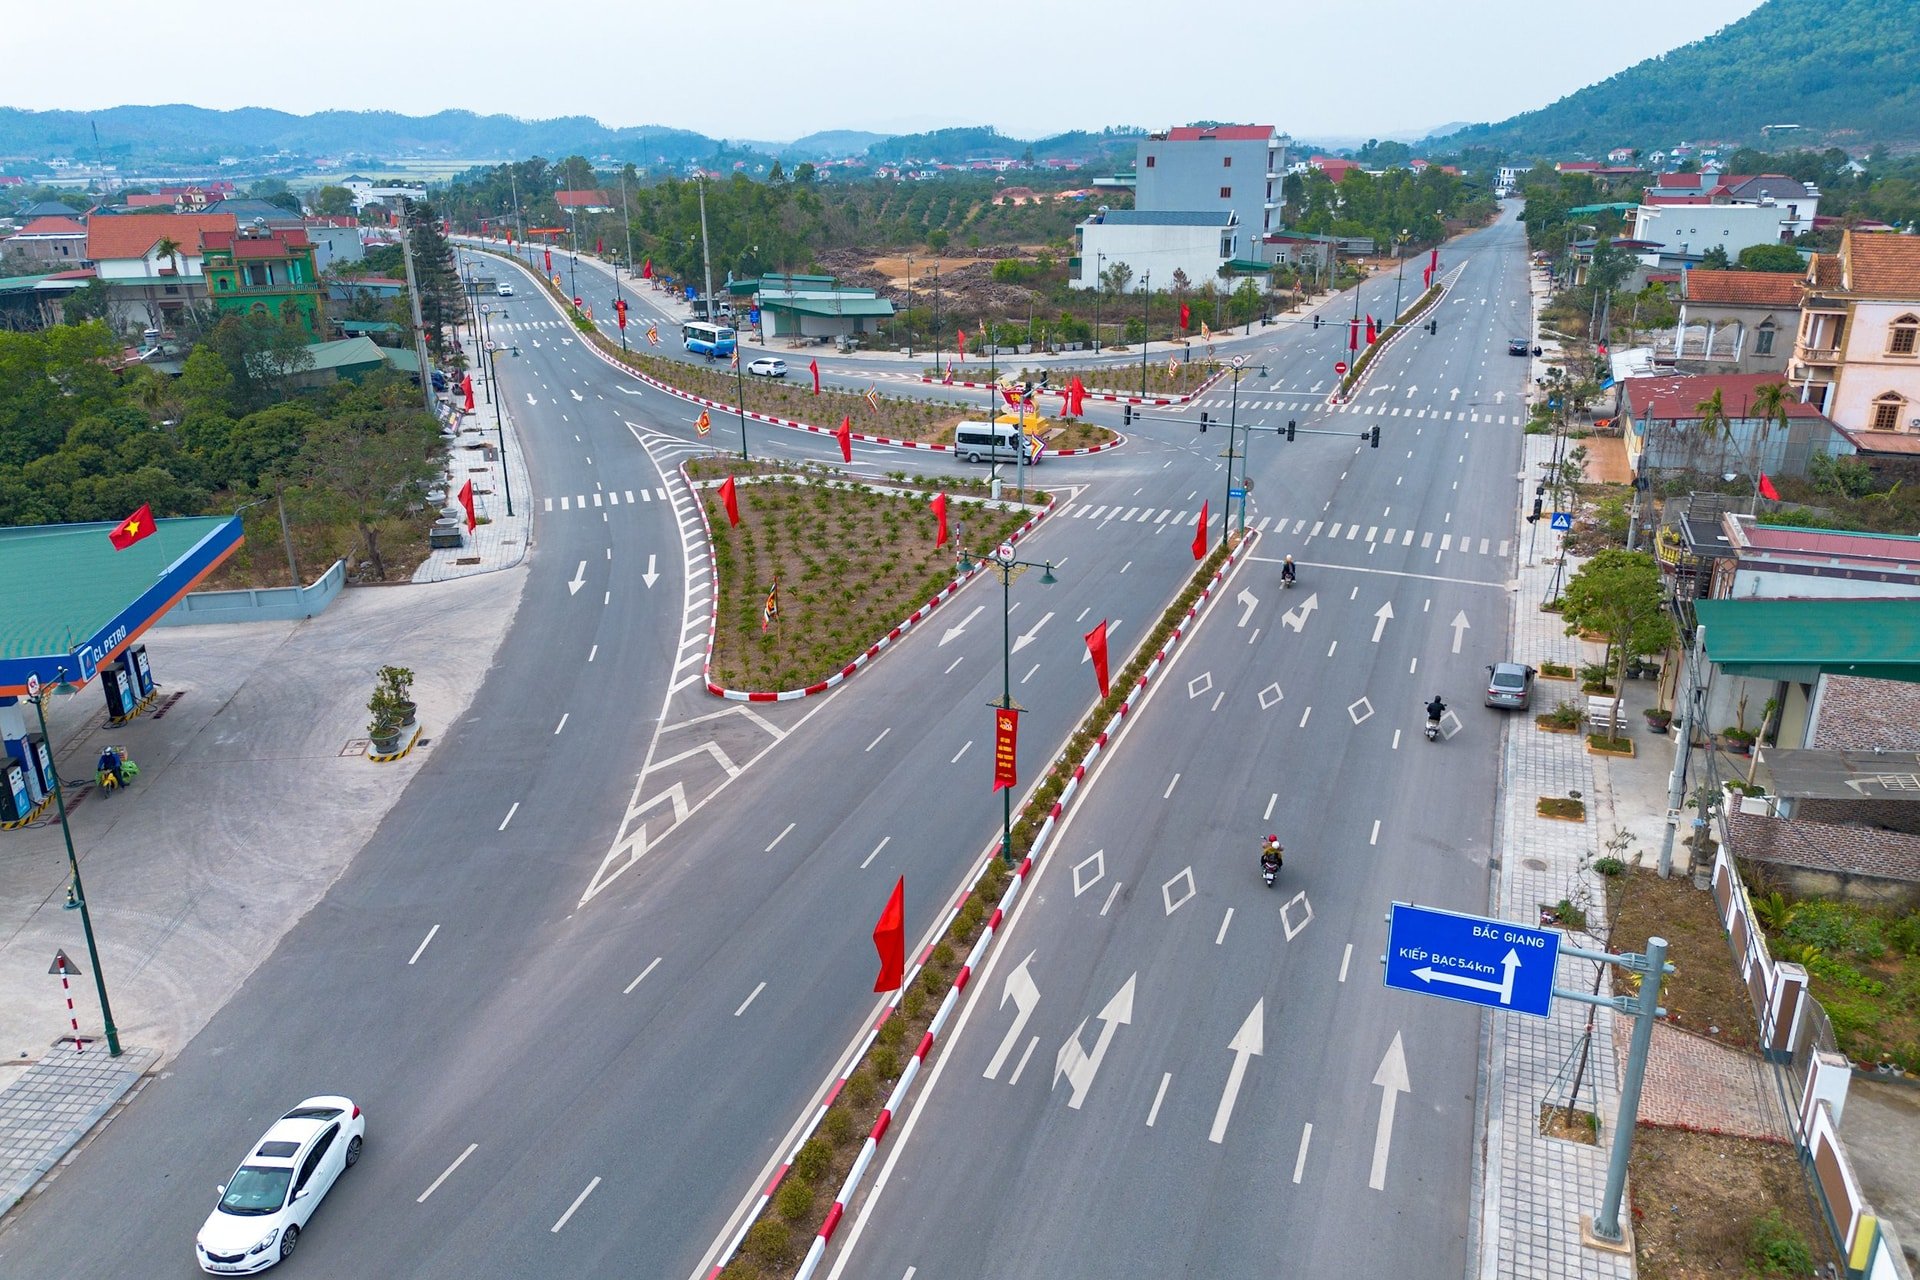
774 71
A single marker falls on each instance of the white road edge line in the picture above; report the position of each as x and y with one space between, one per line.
423 943
509 818
447 1172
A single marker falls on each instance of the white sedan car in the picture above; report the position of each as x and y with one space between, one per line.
768 367
269 1198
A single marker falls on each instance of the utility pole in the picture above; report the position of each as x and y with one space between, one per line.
706 257
413 304
626 222
1146 298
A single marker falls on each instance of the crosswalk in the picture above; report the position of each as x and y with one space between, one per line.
606 497
1317 405
1304 530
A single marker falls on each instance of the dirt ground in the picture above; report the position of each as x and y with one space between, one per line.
1607 460
1697 1195
1703 993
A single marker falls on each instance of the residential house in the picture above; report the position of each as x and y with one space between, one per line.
54 240
1666 428
335 240
1158 242
1214 169
1334 167
254 271
584 201
1858 352
368 191
1773 561
1736 321
248 211
150 263
1688 215
45 209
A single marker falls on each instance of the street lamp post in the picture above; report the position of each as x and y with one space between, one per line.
76 892
1007 567
909 315
1099 259
1146 297
739 392
1400 251
493 388
938 345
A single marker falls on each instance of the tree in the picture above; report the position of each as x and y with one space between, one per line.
803 173
85 304
367 466
260 353
1618 595
776 174
1772 257
169 248
1715 259
333 202
1244 305
1770 401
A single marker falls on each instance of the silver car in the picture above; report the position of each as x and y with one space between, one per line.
1510 684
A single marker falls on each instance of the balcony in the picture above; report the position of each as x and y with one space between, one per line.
1816 355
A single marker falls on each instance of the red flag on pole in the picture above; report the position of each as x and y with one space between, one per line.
466 501
135 527
960 336
813 367
1353 334
1200 535
548 255
599 246
1373 333
890 940
1186 314
845 436
466 388
1097 648
1006 744
939 508
646 271
730 499
1767 490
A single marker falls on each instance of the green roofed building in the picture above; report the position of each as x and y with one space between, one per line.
796 306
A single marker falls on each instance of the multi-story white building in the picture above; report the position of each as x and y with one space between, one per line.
1156 243
1858 353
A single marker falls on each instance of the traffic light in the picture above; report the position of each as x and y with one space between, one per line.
1290 425
1203 422
1433 326
1374 437
1316 322
1535 517
1126 415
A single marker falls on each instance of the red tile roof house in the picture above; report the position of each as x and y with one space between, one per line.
584 202
56 240
1662 419
1736 321
147 289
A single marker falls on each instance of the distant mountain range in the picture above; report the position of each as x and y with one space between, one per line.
1847 72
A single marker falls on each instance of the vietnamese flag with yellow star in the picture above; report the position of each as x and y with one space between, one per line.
135 527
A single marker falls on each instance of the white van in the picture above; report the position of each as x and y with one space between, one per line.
992 442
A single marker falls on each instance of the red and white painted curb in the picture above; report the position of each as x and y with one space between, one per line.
872 651
795 425
817 1250
1335 396
1112 397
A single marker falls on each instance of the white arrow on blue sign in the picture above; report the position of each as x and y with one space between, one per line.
1492 963
1563 520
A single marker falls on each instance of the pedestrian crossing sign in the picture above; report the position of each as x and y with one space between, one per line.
1563 520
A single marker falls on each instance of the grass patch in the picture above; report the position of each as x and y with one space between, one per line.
1106 379
1556 671
1564 718
1563 807
1606 745
1707 1206
851 560
1864 967
1703 993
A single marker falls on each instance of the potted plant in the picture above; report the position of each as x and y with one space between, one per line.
397 684
383 726
1738 740
1658 719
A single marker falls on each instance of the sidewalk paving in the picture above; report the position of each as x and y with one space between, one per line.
53 1104
475 454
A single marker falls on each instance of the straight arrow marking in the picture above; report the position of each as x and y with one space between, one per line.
1460 627
579 579
652 575
1380 618
1246 1043
1021 990
954 631
1022 641
1075 1063
1392 1081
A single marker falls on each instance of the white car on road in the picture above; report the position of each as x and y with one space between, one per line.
768 367
283 1179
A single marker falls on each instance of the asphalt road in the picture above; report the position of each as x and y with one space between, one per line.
1169 1069
564 1087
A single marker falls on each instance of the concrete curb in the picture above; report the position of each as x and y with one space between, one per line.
1337 397
1111 397
872 651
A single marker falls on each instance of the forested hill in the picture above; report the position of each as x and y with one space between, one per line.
1846 71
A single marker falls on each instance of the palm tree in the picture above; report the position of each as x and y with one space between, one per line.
169 249
1770 409
1714 424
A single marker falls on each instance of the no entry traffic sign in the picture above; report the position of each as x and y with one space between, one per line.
1339 366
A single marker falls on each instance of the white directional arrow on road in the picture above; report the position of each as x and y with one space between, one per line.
579 579
1022 641
1454 394
1410 391
530 399
576 395
1075 1063
1246 1043
1250 600
1297 618
1499 397
1508 963
629 390
954 631
1380 618
652 575
1020 989
1392 1080
1460 626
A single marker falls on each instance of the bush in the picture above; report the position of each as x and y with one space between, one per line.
893 1032
885 1062
769 1241
838 1126
811 1161
794 1200
914 1002
1610 866
860 1087
1835 928
1904 934
1775 1247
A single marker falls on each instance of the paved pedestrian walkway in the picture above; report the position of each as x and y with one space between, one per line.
1695 1083
49 1108
490 456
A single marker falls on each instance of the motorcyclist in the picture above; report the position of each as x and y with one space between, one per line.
109 766
1287 570
1436 709
1270 852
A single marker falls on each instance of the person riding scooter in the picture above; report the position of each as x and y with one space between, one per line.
111 766
1435 710
1287 572
1270 852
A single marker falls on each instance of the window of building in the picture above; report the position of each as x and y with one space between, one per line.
1226 162
1226 193
1901 339
1149 162
1763 340
1887 410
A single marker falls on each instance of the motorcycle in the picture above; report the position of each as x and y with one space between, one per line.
1270 860
1433 728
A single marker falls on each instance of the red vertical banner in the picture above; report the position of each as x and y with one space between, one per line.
939 509
813 367
1200 535
1097 649
845 436
547 255
1353 334
1006 739
730 499
890 939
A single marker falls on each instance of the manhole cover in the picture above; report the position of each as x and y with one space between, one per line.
1533 864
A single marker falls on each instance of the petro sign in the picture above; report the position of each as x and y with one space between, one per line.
1492 963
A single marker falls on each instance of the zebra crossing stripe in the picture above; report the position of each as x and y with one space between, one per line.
629 495
564 505
549 504
1352 529
1408 540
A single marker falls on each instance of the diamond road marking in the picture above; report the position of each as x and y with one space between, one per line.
1200 684
1286 920
1359 710
1098 861
1166 891
1270 695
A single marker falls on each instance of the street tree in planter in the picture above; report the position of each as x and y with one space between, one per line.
1617 595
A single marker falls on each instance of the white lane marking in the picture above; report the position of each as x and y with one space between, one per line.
1375 837
1346 957
509 818
876 851
1300 1161
1332 647
1029 675
883 733
962 751
1220 937
749 1000
782 836
1021 1065
1158 1096
577 1202
592 652
952 665
643 974
423 943
1304 715
1396 740
1271 801
446 1173
563 722
1111 895
1170 786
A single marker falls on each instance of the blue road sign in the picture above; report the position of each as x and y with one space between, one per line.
1236 492
1563 520
1471 959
